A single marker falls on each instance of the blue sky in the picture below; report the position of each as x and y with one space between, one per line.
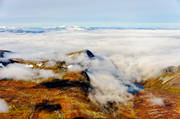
130 13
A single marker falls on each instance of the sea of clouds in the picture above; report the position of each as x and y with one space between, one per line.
122 56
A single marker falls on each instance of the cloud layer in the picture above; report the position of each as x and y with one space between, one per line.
23 72
122 56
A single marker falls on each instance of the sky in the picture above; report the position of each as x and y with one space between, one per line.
90 12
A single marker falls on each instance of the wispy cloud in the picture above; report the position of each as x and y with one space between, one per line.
3 106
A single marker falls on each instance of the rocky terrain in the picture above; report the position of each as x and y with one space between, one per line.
66 96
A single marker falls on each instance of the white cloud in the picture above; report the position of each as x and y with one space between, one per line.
3 106
23 72
46 73
16 71
108 83
156 100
